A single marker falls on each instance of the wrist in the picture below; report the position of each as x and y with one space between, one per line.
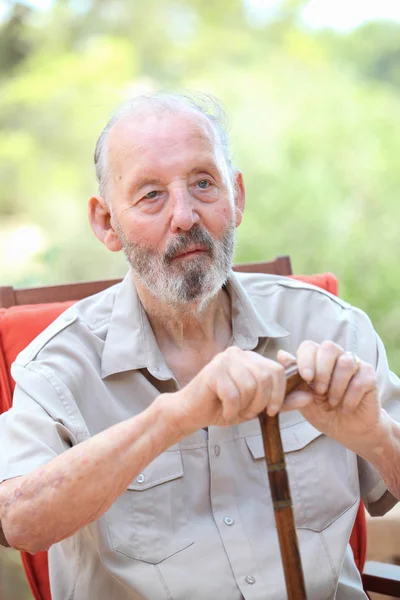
169 407
380 442
384 454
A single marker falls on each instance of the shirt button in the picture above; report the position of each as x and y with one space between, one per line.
250 579
229 521
217 450
140 478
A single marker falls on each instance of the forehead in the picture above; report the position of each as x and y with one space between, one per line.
153 141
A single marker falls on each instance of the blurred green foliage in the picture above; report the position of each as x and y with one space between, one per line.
315 129
13 583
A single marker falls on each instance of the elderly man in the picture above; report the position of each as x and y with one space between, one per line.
133 452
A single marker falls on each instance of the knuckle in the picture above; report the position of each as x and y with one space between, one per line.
231 394
234 351
371 383
231 354
278 369
330 346
264 376
359 384
217 359
248 386
345 361
307 344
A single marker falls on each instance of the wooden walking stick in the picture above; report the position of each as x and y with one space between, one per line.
280 492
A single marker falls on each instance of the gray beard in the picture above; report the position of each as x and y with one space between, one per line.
185 282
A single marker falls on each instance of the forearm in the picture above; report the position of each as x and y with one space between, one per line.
78 486
383 452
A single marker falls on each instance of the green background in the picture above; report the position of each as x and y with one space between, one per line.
315 127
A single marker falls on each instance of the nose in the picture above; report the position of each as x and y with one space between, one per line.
184 214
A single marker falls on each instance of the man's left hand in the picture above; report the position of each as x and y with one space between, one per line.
340 393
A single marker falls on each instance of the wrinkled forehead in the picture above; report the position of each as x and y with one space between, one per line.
150 136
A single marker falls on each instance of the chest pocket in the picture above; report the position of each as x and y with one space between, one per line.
148 521
322 474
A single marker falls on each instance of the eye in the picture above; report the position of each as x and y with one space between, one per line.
203 184
151 195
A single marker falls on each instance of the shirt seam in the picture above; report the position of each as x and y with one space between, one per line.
96 325
334 573
320 291
82 433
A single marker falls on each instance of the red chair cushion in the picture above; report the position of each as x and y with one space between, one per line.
326 281
358 538
19 325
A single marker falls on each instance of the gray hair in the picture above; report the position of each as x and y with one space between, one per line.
204 105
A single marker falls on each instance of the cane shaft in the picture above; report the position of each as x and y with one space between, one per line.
281 498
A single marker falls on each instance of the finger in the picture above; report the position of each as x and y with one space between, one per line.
325 361
277 396
237 368
345 368
271 384
285 358
297 400
229 396
306 354
360 387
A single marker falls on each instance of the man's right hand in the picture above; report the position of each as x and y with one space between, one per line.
235 386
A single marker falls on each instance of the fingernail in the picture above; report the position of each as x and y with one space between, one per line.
308 375
272 410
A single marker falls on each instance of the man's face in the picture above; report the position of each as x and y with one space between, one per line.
172 205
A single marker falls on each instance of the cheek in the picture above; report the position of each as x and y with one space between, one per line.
144 234
220 218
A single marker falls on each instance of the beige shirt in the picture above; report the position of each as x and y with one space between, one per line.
197 524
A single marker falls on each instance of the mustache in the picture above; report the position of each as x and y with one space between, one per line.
183 241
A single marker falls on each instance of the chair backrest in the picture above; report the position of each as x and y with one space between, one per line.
10 296
24 313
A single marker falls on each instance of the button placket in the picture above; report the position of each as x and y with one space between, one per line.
226 511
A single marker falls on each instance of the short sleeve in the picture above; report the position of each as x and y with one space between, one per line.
369 347
38 427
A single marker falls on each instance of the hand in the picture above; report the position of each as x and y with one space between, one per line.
340 393
235 386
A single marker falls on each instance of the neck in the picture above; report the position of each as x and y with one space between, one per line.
189 324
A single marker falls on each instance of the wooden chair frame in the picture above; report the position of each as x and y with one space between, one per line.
10 296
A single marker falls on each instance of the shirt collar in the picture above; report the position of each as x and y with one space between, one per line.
248 323
130 343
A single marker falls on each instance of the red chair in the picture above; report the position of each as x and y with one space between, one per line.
25 313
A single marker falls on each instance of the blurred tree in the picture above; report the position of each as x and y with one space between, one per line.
315 129
371 51
14 38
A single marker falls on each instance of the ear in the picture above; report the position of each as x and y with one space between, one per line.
240 197
101 223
